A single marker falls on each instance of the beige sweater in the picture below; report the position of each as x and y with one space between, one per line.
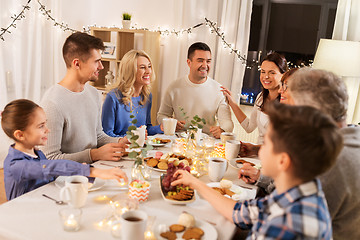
74 122
205 100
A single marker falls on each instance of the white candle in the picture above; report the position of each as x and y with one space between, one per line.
71 224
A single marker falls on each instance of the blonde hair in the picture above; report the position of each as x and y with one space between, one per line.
127 77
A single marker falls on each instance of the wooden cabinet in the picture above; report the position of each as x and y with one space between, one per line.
125 40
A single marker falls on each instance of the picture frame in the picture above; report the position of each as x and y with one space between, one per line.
109 50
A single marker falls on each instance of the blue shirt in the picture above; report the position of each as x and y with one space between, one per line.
116 115
23 173
299 213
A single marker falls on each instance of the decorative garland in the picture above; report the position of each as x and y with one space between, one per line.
15 18
212 25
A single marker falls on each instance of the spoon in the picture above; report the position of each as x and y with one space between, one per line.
56 201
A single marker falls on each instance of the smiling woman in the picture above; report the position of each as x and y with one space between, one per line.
130 96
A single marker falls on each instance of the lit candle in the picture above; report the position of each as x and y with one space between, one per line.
71 224
102 199
149 235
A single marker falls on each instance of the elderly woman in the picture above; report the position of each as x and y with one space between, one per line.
272 68
341 184
130 96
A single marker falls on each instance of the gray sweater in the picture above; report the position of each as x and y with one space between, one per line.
74 120
341 186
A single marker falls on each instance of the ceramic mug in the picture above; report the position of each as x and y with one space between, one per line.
232 148
75 191
217 168
225 136
133 224
140 131
169 126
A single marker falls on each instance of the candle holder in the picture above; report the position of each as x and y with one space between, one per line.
70 219
123 205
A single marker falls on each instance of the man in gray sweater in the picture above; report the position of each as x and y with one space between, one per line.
341 184
73 107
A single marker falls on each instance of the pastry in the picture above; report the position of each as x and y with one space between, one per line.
177 228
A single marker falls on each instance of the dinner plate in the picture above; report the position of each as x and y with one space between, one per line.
240 192
236 165
98 183
163 194
156 169
156 144
210 232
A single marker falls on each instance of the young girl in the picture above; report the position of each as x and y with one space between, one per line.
25 167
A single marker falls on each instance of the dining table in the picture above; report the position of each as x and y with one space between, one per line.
33 216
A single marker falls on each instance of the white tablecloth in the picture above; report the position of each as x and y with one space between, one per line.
32 216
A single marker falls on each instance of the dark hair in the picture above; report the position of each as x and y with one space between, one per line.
197 46
17 115
309 137
78 45
281 63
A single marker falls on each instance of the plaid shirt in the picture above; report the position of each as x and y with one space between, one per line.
299 213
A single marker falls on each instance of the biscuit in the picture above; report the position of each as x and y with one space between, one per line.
192 233
162 165
220 190
169 235
177 228
228 192
152 162
242 161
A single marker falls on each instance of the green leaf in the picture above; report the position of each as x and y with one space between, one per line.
132 116
143 152
134 121
129 133
200 126
149 147
130 128
134 138
133 154
134 145
203 120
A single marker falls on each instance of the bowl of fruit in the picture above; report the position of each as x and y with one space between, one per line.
175 194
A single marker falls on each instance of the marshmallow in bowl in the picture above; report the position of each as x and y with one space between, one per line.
226 183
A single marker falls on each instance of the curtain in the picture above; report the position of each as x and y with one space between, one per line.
346 27
31 58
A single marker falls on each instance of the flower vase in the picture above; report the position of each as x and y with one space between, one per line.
126 24
140 172
191 144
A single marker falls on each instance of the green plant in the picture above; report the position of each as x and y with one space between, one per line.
132 137
195 123
126 16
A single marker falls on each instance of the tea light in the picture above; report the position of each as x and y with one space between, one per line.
116 229
149 235
70 218
102 199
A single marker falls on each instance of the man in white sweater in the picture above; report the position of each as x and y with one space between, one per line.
73 107
197 94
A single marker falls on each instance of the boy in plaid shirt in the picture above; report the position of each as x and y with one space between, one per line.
300 144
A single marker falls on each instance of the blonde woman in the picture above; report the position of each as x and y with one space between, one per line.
130 95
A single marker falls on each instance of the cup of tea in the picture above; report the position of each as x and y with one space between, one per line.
217 168
75 191
225 136
169 126
232 148
133 224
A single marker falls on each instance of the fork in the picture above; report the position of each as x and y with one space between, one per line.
120 166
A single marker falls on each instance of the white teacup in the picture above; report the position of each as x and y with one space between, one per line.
217 168
169 126
140 131
232 148
226 136
133 224
75 191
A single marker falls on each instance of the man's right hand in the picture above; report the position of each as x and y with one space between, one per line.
180 125
109 152
248 149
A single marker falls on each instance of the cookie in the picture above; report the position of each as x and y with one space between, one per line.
228 192
169 235
220 190
152 162
176 228
190 233
162 165
242 161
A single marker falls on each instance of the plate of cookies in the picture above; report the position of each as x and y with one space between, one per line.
238 162
161 161
187 227
158 142
230 190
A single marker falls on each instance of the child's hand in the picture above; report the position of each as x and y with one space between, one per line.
185 178
248 173
113 173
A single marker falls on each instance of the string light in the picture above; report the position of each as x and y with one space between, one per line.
212 27
14 18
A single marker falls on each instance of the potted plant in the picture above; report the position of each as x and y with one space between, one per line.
126 22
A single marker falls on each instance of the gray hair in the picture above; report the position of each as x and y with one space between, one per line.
320 89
